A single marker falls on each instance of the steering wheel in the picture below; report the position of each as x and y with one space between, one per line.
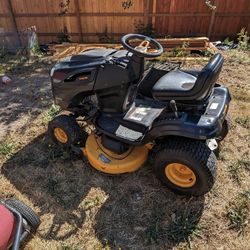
148 47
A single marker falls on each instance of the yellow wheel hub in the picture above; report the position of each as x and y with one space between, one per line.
180 175
60 135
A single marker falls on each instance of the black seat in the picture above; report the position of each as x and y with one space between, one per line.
188 85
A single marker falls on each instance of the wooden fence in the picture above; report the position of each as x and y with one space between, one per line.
93 20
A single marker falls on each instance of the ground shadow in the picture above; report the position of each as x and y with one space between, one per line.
137 213
26 97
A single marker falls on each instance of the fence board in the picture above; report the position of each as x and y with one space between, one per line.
5 24
181 6
3 8
55 24
229 6
180 24
44 6
222 26
101 6
93 19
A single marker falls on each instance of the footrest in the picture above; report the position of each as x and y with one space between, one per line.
143 112
118 127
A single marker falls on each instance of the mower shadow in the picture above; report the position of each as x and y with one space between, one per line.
131 211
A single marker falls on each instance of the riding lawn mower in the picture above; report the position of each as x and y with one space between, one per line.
173 116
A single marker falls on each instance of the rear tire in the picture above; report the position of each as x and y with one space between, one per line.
185 166
28 214
65 131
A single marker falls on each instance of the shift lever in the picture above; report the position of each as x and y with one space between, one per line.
174 108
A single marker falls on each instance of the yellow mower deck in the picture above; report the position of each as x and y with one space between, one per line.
108 162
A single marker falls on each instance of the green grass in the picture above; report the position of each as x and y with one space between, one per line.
243 40
246 194
53 111
243 121
236 169
180 51
51 114
238 212
185 227
227 41
238 57
91 203
155 231
6 149
68 247
2 71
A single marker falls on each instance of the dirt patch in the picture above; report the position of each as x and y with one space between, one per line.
81 208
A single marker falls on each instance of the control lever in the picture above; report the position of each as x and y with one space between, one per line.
174 108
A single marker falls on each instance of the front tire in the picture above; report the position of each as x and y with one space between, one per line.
65 131
185 166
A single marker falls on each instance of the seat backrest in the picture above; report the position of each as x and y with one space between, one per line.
208 76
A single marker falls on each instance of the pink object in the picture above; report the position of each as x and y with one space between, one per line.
6 80
6 227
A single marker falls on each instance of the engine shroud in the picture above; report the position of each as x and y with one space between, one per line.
107 73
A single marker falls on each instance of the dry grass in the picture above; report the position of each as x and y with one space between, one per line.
81 208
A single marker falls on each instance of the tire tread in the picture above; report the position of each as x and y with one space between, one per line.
26 212
197 150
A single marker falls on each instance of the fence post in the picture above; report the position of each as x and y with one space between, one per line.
78 18
146 12
13 22
211 24
153 12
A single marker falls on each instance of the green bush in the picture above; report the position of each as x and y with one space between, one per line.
147 30
243 40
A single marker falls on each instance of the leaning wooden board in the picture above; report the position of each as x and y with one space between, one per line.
169 44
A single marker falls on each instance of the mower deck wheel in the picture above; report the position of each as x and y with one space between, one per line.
185 166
